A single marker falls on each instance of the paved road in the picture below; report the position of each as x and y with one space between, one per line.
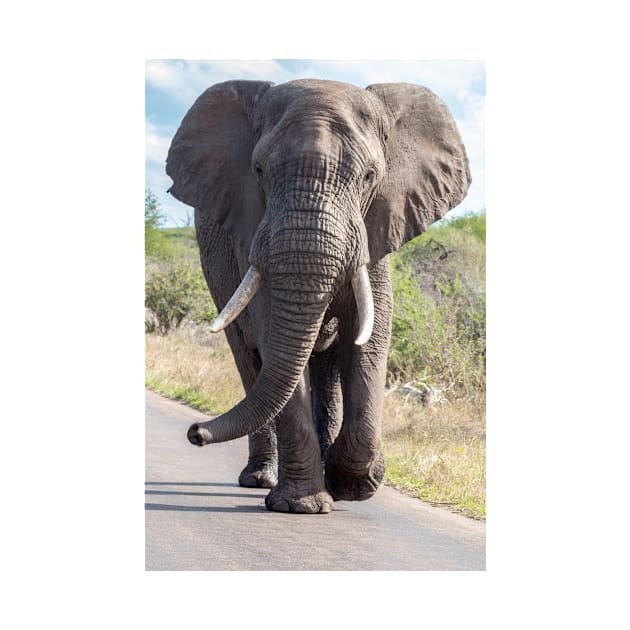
198 518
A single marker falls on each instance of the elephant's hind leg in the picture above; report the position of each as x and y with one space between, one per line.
327 398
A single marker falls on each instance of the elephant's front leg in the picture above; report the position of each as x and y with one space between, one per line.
301 485
354 464
261 468
260 471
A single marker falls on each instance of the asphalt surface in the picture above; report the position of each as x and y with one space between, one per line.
198 518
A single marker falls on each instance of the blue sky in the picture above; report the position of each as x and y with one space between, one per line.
173 85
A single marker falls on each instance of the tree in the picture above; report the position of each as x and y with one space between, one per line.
153 216
155 242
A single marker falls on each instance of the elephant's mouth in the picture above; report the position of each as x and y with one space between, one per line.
327 335
253 279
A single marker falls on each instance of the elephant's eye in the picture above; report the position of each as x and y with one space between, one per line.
370 176
258 170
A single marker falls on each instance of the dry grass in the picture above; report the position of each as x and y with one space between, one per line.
191 365
435 453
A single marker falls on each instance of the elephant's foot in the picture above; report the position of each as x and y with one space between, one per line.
353 481
303 497
259 475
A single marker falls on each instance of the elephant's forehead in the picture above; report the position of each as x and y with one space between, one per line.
308 95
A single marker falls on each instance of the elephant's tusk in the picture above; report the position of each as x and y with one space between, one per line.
365 304
243 294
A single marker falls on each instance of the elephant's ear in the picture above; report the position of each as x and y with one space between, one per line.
427 168
209 158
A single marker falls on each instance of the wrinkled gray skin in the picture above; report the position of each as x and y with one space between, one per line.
307 181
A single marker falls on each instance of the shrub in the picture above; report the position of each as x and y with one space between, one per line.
174 292
439 322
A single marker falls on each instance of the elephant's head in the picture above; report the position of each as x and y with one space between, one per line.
315 180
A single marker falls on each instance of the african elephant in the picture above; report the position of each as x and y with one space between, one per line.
301 190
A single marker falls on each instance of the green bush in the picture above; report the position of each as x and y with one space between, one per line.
439 320
173 293
470 224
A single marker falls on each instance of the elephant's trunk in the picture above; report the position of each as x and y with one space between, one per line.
299 283
282 369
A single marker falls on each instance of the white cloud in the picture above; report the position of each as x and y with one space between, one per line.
170 77
186 80
260 69
156 144
444 77
472 127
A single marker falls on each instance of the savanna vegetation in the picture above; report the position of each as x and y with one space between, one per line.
434 415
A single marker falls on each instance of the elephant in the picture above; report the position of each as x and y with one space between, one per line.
300 192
